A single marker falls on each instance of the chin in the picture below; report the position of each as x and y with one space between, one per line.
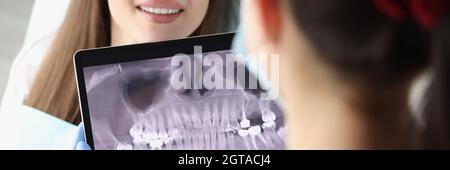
159 37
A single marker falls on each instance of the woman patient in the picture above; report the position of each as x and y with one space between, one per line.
99 23
90 24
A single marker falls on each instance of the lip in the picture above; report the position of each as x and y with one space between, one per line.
158 18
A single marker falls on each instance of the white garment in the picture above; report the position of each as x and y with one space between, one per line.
22 127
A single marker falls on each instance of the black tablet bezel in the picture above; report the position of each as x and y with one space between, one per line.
138 52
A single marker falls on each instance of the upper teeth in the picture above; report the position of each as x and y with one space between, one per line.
160 11
205 125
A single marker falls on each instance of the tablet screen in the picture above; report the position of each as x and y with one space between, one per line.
136 106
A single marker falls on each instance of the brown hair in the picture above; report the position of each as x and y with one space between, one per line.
87 25
355 37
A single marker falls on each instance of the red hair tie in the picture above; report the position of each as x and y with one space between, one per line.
425 12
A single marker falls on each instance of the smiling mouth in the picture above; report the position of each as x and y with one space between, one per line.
160 11
161 15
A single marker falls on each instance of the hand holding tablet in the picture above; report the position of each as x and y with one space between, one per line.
165 96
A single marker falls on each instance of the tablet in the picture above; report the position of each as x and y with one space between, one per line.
163 96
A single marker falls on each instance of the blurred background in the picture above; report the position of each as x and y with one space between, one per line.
14 17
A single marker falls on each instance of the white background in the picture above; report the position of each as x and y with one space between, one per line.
14 16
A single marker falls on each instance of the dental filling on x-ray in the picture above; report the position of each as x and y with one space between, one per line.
132 106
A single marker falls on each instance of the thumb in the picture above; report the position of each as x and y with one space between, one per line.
82 146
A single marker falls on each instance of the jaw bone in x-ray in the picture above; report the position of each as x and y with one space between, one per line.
133 106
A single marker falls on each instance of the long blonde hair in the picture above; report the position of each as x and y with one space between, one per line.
87 25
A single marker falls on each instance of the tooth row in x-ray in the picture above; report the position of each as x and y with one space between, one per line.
133 107
222 123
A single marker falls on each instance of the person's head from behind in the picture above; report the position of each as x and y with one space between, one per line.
98 23
347 67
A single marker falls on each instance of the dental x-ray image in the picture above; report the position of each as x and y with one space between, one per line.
134 107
